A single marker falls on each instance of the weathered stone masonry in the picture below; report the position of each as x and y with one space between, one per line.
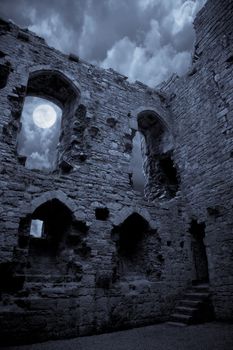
110 258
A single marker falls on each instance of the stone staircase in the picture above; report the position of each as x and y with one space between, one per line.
195 307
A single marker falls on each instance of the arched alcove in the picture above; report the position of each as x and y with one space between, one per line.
60 196
137 248
49 95
53 239
162 180
56 221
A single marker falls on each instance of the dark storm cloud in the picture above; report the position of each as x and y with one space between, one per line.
165 46
143 39
28 12
108 22
60 22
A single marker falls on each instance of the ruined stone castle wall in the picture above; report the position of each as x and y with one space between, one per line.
202 107
89 286
91 283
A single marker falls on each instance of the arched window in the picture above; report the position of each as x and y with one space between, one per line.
157 152
50 105
39 135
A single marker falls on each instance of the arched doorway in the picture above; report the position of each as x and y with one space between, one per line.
200 262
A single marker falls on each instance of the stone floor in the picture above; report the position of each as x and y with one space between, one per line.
209 336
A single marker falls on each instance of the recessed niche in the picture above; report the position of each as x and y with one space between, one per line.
102 213
4 74
162 180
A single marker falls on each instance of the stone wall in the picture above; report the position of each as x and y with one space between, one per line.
201 103
88 284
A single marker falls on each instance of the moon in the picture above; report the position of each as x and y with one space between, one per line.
44 116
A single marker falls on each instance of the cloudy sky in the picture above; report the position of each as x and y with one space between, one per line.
145 40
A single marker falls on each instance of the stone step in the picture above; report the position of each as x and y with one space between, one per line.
185 310
40 270
178 317
200 288
189 303
52 278
196 296
189 309
177 324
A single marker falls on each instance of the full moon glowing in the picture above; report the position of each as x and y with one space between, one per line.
44 116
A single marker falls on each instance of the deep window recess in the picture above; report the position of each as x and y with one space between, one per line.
4 74
138 176
162 180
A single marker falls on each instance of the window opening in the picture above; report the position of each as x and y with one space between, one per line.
50 103
36 229
39 134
